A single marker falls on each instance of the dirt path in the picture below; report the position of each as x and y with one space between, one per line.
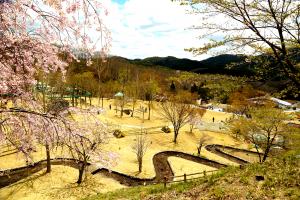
217 149
161 166
10 176
160 162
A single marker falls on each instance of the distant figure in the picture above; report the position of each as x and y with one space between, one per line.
213 119
109 106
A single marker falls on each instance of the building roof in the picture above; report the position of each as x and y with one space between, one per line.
119 94
279 101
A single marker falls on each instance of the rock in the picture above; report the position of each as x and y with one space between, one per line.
260 178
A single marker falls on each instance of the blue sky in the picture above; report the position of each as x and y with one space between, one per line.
119 1
144 28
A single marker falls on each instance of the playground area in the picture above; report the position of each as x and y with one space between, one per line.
60 184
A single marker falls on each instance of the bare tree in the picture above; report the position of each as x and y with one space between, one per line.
84 139
269 27
195 118
121 102
150 89
140 147
178 114
100 68
204 139
133 92
265 128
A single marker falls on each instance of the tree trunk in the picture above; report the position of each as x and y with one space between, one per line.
81 171
73 100
44 100
199 149
132 110
102 102
140 165
191 128
258 153
99 99
175 135
48 158
149 109
266 153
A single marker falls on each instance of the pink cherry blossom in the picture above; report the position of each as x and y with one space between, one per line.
32 35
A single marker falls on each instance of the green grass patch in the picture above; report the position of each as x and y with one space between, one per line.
281 181
140 192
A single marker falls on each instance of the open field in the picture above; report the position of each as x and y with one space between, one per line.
127 163
181 166
60 184
245 156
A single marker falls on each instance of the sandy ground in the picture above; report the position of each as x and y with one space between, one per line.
60 184
244 156
158 141
181 166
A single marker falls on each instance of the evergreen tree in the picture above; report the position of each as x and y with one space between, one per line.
194 88
172 87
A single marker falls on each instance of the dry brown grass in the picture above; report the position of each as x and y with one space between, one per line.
127 163
60 184
181 166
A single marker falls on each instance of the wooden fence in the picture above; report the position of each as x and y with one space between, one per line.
185 178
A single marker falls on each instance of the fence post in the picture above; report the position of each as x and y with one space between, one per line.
165 182
204 173
184 176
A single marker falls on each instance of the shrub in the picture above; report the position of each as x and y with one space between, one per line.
127 111
118 134
166 129
57 105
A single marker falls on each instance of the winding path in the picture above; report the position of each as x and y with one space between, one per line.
161 166
160 163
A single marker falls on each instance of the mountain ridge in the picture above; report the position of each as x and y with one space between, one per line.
213 65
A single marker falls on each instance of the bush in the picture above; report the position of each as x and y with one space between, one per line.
127 111
118 134
57 105
166 129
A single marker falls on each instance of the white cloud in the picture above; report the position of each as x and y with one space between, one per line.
144 28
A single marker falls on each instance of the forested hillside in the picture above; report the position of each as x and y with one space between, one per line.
163 70
213 65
